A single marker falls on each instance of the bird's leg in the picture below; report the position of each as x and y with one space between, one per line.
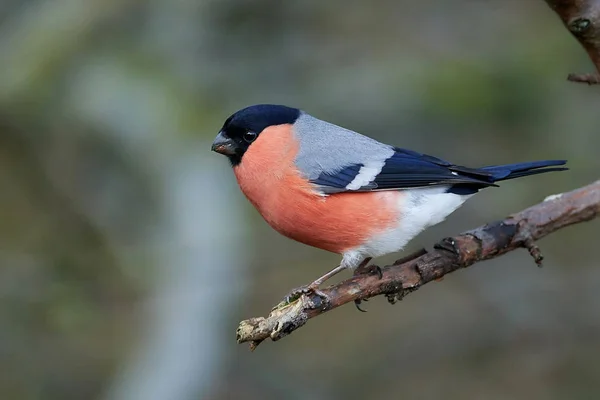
314 287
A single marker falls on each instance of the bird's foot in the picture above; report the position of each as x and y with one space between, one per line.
357 303
371 269
363 269
306 289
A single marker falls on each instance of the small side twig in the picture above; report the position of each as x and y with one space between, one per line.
590 79
582 19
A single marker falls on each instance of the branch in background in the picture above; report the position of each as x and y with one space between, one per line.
404 276
582 19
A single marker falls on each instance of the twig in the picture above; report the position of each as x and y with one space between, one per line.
582 19
486 242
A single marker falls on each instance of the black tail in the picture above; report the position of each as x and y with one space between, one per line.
487 176
511 171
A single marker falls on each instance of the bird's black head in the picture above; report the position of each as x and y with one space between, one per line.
243 127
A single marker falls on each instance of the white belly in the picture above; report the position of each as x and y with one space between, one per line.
420 208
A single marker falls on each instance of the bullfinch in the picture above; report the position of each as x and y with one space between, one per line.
337 190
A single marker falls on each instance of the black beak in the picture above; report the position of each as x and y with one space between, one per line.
223 145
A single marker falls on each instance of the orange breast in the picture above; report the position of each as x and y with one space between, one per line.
288 202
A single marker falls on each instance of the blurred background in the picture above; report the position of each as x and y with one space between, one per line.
128 255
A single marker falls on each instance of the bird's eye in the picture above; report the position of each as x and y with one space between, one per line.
249 136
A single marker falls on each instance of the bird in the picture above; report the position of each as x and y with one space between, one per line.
338 190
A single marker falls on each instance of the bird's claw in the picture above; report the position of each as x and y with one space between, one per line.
357 304
378 270
366 270
306 289
371 269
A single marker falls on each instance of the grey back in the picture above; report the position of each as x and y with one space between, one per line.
325 147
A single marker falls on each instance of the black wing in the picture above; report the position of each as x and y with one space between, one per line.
409 169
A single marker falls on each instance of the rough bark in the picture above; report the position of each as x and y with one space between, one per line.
519 230
582 19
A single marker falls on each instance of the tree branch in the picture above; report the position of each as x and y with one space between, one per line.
582 19
405 276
